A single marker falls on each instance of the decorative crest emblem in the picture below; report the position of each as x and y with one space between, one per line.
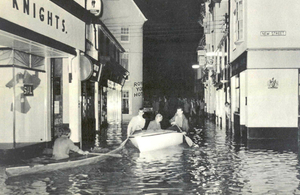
272 84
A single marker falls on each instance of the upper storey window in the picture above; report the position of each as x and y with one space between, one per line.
124 34
239 20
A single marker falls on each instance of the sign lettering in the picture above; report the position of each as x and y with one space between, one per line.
139 89
46 18
272 33
28 90
32 10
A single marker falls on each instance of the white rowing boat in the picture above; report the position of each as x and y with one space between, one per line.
156 139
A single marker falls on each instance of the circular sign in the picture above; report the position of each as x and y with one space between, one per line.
86 68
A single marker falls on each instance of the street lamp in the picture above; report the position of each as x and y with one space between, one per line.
195 66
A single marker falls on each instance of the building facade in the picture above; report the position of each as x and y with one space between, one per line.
265 68
263 50
39 41
57 60
213 59
125 21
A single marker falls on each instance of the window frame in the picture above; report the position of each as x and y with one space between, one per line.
125 32
239 21
126 98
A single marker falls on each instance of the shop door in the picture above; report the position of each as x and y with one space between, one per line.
88 113
56 98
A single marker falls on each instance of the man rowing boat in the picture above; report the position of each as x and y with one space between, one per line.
179 121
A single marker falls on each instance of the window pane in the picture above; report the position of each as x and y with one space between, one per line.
124 34
125 102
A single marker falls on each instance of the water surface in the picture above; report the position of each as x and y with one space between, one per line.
220 165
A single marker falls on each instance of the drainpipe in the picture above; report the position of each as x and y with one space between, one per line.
228 59
13 109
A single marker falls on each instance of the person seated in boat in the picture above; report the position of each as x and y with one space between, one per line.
136 123
64 144
155 124
179 122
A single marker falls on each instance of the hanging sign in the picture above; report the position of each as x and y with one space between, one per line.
86 68
96 74
94 6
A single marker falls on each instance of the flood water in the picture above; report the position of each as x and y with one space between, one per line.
220 165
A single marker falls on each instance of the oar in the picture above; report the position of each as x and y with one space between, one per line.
106 154
187 139
125 141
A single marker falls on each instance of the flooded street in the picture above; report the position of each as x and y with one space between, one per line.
220 165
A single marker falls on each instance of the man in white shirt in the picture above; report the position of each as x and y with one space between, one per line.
136 123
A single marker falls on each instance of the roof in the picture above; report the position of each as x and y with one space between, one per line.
141 13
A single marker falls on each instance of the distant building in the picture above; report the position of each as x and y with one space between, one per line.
213 59
263 56
125 20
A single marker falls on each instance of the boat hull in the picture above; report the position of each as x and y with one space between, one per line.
46 165
155 140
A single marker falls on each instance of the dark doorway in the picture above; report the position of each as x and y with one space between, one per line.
88 114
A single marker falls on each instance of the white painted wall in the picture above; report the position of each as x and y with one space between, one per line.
75 99
267 15
273 59
272 107
270 15
243 83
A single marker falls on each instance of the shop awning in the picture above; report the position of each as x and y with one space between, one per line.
114 72
10 57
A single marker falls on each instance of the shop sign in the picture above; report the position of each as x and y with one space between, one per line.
273 33
138 86
94 6
28 90
86 68
46 18
96 74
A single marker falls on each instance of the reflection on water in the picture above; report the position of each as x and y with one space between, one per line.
221 165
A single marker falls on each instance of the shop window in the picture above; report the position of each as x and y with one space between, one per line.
22 112
125 60
124 34
125 102
237 94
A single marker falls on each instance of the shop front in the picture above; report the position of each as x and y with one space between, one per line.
39 65
114 77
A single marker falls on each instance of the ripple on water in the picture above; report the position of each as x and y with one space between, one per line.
219 166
